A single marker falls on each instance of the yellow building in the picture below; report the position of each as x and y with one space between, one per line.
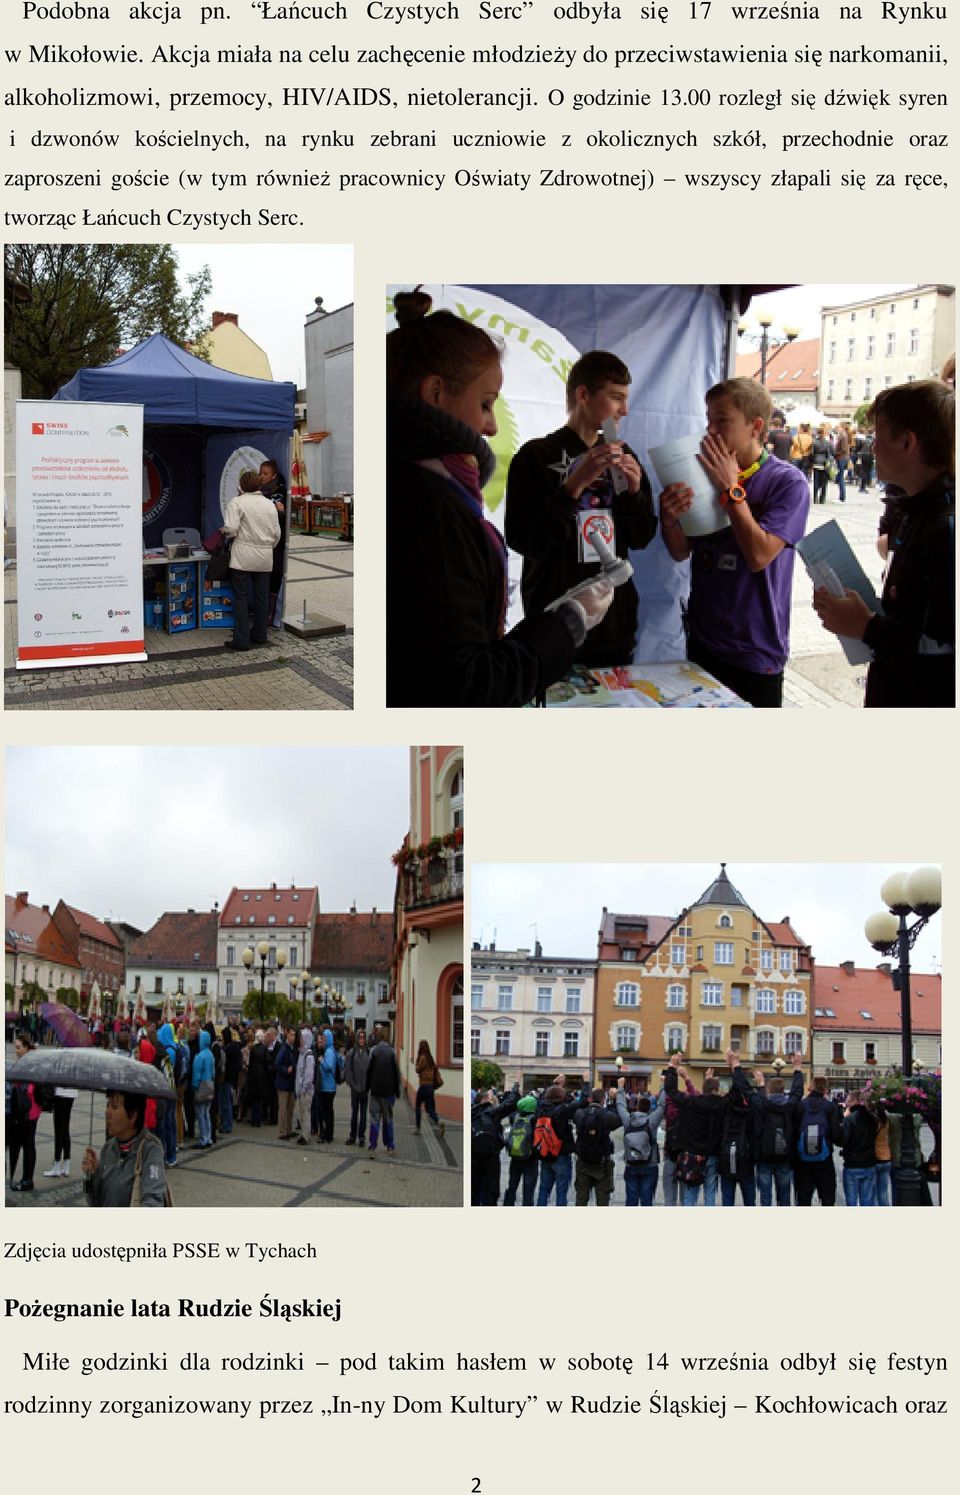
717 977
226 346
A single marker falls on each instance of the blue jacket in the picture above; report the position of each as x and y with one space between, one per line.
286 1066
327 1065
203 1065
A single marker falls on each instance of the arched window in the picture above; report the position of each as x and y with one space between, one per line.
725 922
793 1042
626 1036
675 1039
627 994
766 1001
764 1041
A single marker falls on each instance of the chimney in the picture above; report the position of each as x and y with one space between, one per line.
46 908
353 906
538 950
885 968
849 967
22 900
477 945
373 914
224 316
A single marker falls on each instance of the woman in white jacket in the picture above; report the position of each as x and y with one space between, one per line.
251 522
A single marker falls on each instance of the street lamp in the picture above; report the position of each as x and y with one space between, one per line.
765 342
249 958
916 892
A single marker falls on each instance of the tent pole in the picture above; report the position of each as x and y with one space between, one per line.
733 300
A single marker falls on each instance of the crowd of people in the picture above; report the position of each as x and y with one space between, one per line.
447 641
240 1075
760 1139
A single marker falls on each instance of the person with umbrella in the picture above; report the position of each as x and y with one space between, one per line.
129 1172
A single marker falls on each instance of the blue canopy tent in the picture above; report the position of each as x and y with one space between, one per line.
201 426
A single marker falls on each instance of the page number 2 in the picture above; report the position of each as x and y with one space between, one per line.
475 1487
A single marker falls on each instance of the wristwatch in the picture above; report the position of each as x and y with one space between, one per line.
735 494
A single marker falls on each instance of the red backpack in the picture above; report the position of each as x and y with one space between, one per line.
546 1143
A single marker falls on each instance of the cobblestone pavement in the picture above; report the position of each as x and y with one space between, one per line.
251 1168
818 673
192 671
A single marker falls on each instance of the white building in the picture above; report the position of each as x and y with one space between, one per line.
282 918
867 346
328 440
531 1013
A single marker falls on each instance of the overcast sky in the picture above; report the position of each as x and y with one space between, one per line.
130 833
799 306
272 288
827 905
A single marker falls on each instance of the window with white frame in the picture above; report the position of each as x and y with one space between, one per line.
456 1021
675 996
627 994
725 922
848 389
293 955
571 1044
627 954
766 960
474 1041
830 384
832 353
572 999
502 1044
765 1041
766 1001
504 998
476 994
544 998
794 1003
839 1051
228 987
851 347
711 994
792 1042
786 961
541 1044
723 952
231 955
916 303
271 986
203 986
158 985
699 952
868 389
712 1037
678 955
626 1036
674 1040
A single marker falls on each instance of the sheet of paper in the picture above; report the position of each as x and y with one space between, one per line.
829 543
679 462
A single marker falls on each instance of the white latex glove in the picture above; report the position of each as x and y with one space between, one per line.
592 600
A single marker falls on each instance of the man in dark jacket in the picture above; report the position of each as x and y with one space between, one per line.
562 486
554 1114
775 1133
860 1128
913 636
284 1072
698 1131
486 1143
818 1132
738 1150
383 1088
594 1121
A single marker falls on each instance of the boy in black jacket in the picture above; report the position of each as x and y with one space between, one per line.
562 486
913 637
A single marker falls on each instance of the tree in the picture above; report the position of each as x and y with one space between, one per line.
860 416
485 1075
273 1003
84 302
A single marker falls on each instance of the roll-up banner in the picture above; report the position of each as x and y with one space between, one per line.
79 533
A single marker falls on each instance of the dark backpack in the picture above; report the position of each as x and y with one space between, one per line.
181 1065
813 1145
340 1069
637 1141
592 1136
520 1138
691 1168
546 1143
43 1095
775 1135
485 1136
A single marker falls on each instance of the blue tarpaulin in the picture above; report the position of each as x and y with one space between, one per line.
175 388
